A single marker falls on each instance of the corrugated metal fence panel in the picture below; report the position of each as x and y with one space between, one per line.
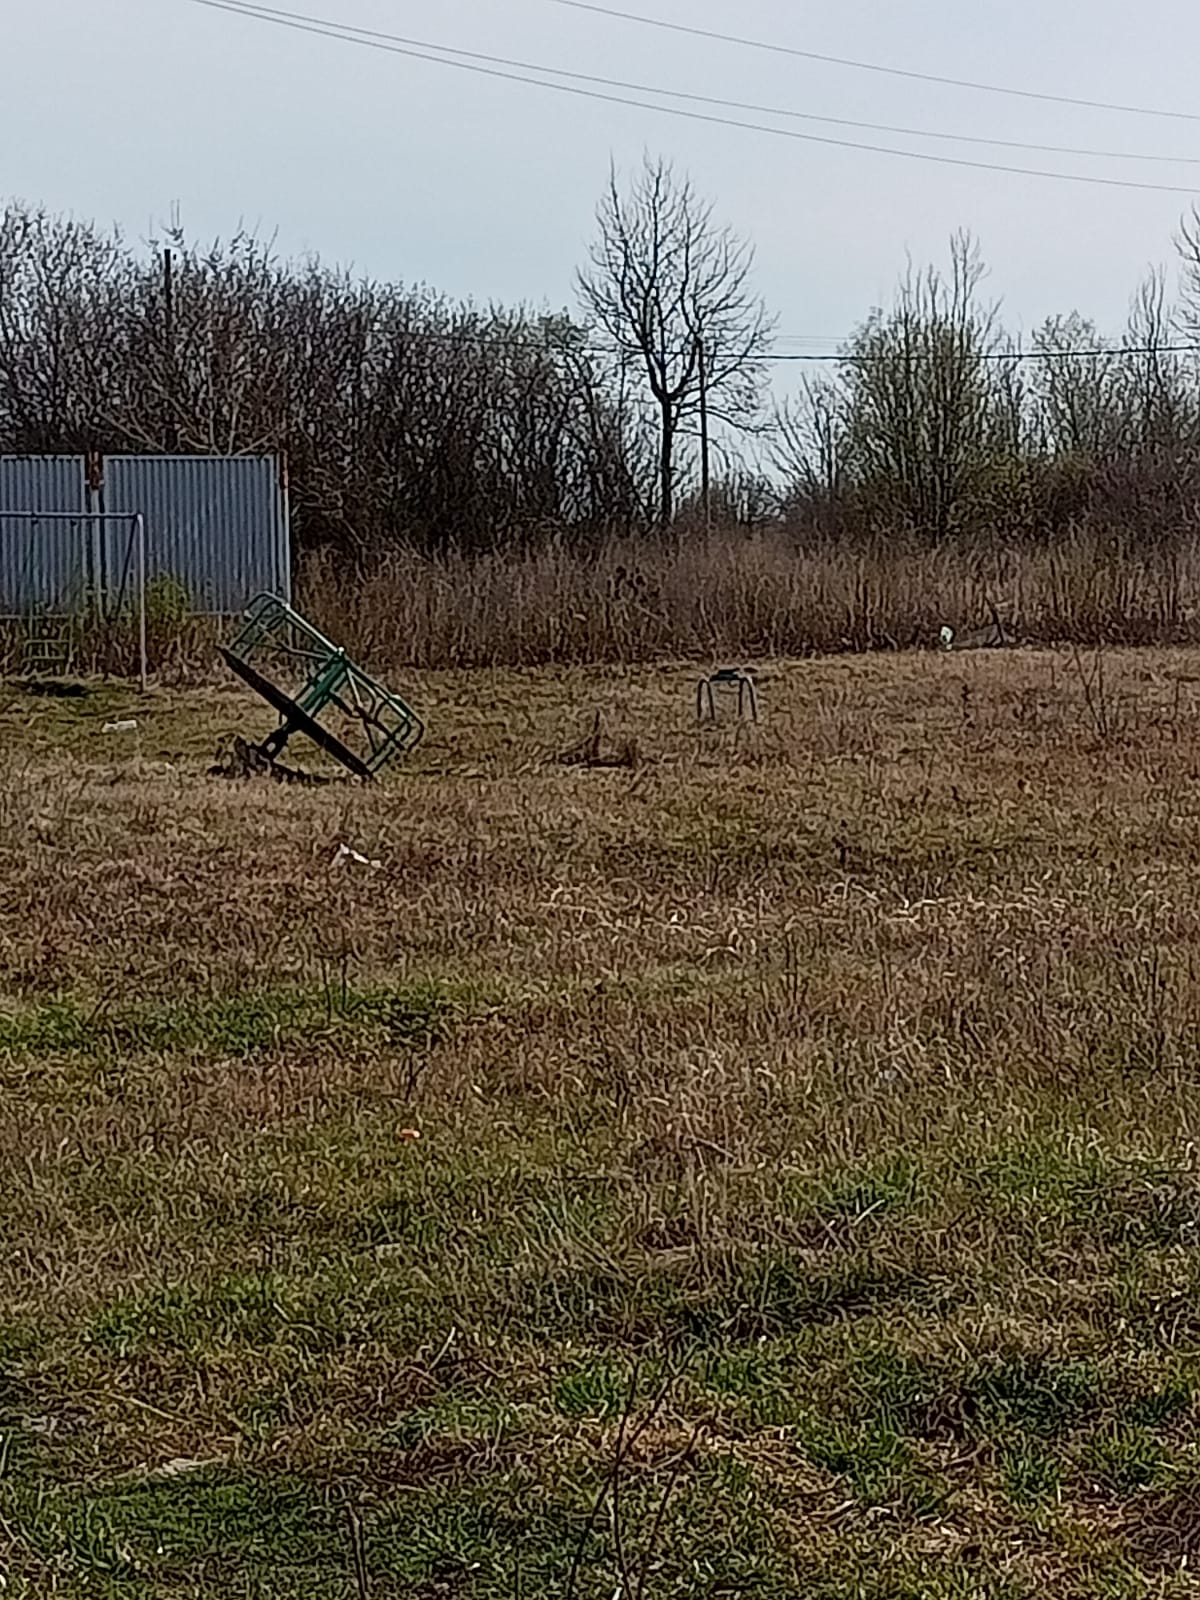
217 524
44 566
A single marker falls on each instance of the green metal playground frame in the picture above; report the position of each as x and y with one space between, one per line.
273 640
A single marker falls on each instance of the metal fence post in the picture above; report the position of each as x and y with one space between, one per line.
141 548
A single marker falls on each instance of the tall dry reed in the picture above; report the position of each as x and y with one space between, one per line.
744 595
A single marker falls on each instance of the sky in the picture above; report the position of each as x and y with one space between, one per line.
131 111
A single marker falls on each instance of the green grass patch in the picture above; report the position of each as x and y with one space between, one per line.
1030 1474
234 1025
1124 1459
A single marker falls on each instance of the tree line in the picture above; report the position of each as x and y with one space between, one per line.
409 419
936 423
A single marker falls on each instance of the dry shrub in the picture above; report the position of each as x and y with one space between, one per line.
737 594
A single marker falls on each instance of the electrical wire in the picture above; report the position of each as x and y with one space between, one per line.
845 357
872 66
1099 352
375 34
321 28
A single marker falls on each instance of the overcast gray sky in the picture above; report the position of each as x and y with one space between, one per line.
122 109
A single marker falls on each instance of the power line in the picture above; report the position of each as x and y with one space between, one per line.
847 357
1100 352
529 345
872 66
375 34
324 29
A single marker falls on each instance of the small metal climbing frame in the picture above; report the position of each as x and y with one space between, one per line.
318 691
728 678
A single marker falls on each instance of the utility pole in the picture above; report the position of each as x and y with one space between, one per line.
702 373
172 438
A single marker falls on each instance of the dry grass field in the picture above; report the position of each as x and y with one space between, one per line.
767 1168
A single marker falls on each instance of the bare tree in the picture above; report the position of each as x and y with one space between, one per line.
406 418
1187 242
671 293
61 285
1160 392
1077 389
919 395
810 443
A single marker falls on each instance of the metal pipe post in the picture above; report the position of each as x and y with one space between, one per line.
141 545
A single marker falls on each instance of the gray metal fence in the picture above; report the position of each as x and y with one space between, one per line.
217 525
44 565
